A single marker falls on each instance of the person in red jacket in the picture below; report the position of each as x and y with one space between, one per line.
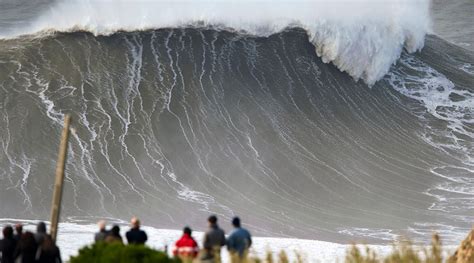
186 248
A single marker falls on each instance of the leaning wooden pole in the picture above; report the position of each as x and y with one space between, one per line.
58 183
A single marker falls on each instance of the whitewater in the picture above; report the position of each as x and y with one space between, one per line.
363 38
320 123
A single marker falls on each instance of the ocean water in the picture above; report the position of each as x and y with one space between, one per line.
327 121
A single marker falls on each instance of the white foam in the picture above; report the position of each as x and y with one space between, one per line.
361 37
450 113
379 233
77 233
468 68
73 236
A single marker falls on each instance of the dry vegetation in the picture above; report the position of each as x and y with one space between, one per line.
402 253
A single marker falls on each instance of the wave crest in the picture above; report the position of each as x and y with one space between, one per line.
361 37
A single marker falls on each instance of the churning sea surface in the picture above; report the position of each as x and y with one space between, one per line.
318 122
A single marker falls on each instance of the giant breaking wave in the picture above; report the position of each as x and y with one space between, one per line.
190 108
361 37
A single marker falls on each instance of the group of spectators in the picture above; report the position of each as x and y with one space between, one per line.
238 243
134 236
186 248
27 247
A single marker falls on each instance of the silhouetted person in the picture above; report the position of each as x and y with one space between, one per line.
214 240
7 246
48 252
135 235
102 234
186 247
40 233
239 242
18 232
114 235
26 249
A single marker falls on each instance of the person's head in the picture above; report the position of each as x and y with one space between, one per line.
41 227
135 222
102 224
19 228
212 220
236 222
7 232
187 230
115 230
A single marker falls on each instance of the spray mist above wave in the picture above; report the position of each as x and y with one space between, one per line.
361 37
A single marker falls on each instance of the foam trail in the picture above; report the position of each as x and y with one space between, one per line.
361 37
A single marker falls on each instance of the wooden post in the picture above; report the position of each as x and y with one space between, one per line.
58 183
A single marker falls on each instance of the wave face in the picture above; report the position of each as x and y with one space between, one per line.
174 124
361 37
453 22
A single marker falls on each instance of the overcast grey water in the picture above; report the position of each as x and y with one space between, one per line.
174 123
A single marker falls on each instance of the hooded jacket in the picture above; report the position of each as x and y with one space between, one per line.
186 246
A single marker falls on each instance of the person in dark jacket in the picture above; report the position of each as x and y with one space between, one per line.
40 233
214 240
102 234
114 235
239 242
48 252
27 248
19 232
135 235
186 248
7 246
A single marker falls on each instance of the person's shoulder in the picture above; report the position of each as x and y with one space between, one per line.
180 241
240 232
195 244
234 232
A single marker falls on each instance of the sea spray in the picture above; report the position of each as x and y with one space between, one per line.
361 37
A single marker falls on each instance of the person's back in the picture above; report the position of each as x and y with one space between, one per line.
186 248
239 242
7 246
102 234
135 235
19 232
114 235
27 248
48 252
214 240
40 233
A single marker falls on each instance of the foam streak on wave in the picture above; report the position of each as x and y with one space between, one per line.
453 112
362 37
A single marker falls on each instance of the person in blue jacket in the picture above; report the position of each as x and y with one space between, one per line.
239 242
